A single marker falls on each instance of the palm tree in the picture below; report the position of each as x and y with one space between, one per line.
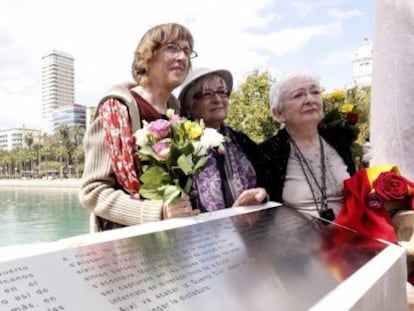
78 133
28 140
46 151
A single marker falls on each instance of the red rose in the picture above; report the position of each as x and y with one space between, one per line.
352 118
390 186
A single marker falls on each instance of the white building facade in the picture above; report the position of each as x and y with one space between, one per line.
362 65
14 138
57 85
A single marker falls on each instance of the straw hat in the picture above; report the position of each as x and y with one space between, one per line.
200 72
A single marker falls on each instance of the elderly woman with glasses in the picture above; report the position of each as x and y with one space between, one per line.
305 164
228 178
110 182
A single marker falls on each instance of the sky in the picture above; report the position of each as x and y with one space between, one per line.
278 36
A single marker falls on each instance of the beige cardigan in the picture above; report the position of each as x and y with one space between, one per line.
100 192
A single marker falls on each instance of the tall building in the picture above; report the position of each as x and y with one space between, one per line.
362 65
70 115
57 85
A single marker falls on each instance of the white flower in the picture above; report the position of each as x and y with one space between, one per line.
141 137
208 140
211 138
170 113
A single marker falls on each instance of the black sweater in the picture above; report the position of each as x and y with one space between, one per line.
274 156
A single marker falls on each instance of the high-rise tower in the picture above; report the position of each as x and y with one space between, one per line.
57 85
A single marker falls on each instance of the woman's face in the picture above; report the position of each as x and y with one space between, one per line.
301 103
212 103
170 64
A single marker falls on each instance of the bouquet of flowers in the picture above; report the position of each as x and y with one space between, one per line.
338 113
171 153
371 198
390 190
341 122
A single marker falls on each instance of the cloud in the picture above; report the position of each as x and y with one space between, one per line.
240 35
291 40
337 58
307 7
20 110
342 14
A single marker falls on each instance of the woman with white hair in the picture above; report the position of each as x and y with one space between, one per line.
305 164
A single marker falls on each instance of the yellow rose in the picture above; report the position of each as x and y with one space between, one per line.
347 108
193 129
187 126
337 95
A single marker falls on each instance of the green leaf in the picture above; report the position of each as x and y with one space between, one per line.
185 164
200 164
172 194
187 149
173 157
155 176
151 193
188 185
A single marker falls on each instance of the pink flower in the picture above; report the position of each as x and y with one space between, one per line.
161 149
175 119
159 128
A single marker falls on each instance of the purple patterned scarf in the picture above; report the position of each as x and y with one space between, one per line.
238 169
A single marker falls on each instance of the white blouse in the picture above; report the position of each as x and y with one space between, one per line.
296 190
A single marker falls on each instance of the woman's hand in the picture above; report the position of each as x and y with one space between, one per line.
181 209
248 219
254 196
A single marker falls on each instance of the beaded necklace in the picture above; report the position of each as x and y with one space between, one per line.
323 210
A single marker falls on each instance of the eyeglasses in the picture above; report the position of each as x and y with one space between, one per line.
210 94
175 49
301 94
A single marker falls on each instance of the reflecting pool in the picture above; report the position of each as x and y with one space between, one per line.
40 214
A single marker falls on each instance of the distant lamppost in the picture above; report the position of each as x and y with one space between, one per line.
15 172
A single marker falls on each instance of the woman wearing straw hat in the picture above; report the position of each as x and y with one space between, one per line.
228 178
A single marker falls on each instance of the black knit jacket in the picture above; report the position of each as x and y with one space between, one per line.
274 156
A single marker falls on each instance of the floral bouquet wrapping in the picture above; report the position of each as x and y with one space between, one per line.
171 153
372 197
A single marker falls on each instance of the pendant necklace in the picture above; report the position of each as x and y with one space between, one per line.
323 210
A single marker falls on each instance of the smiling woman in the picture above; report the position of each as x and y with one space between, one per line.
229 178
110 184
304 165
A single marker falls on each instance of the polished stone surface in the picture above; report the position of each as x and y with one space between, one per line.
274 259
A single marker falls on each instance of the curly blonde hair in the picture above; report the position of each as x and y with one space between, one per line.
152 40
